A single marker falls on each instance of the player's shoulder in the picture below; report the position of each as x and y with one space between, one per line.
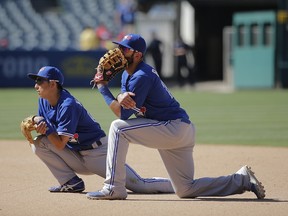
144 66
144 73
146 70
142 76
67 99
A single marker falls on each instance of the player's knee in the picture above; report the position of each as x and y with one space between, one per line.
38 144
184 193
116 125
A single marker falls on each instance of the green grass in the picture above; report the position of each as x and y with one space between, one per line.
242 117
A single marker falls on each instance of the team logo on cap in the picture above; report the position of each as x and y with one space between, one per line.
127 37
41 69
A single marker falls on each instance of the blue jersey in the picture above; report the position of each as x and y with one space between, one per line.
151 94
71 119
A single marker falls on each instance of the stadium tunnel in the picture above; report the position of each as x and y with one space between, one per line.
211 16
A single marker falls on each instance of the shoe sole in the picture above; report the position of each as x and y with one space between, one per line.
106 195
105 198
74 191
260 192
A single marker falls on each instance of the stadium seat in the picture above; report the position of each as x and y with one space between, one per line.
25 29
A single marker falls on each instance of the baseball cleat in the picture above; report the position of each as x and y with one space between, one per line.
74 185
256 185
105 195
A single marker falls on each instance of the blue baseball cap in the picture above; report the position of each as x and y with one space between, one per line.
50 73
134 42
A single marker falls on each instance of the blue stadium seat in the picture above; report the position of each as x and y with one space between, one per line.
26 29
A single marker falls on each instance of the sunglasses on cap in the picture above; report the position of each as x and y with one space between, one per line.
40 80
125 49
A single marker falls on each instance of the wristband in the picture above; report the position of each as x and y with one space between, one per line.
107 95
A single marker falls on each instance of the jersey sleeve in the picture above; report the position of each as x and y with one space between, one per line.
67 120
123 82
140 86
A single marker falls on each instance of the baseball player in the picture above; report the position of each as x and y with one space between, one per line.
71 141
162 124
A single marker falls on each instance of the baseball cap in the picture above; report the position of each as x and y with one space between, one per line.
50 73
134 42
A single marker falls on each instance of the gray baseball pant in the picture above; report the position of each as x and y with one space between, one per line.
175 142
64 164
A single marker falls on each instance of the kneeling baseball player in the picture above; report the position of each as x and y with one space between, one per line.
149 115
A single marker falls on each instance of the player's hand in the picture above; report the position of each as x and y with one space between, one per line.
126 101
102 82
41 127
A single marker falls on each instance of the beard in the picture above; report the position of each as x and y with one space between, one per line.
130 60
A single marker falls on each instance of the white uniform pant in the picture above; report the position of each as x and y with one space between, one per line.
175 142
64 164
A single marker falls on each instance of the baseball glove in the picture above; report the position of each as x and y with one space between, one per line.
112 63
28 125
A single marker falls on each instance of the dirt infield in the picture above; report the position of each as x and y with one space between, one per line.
25 179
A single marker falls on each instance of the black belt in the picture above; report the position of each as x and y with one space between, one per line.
92 146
